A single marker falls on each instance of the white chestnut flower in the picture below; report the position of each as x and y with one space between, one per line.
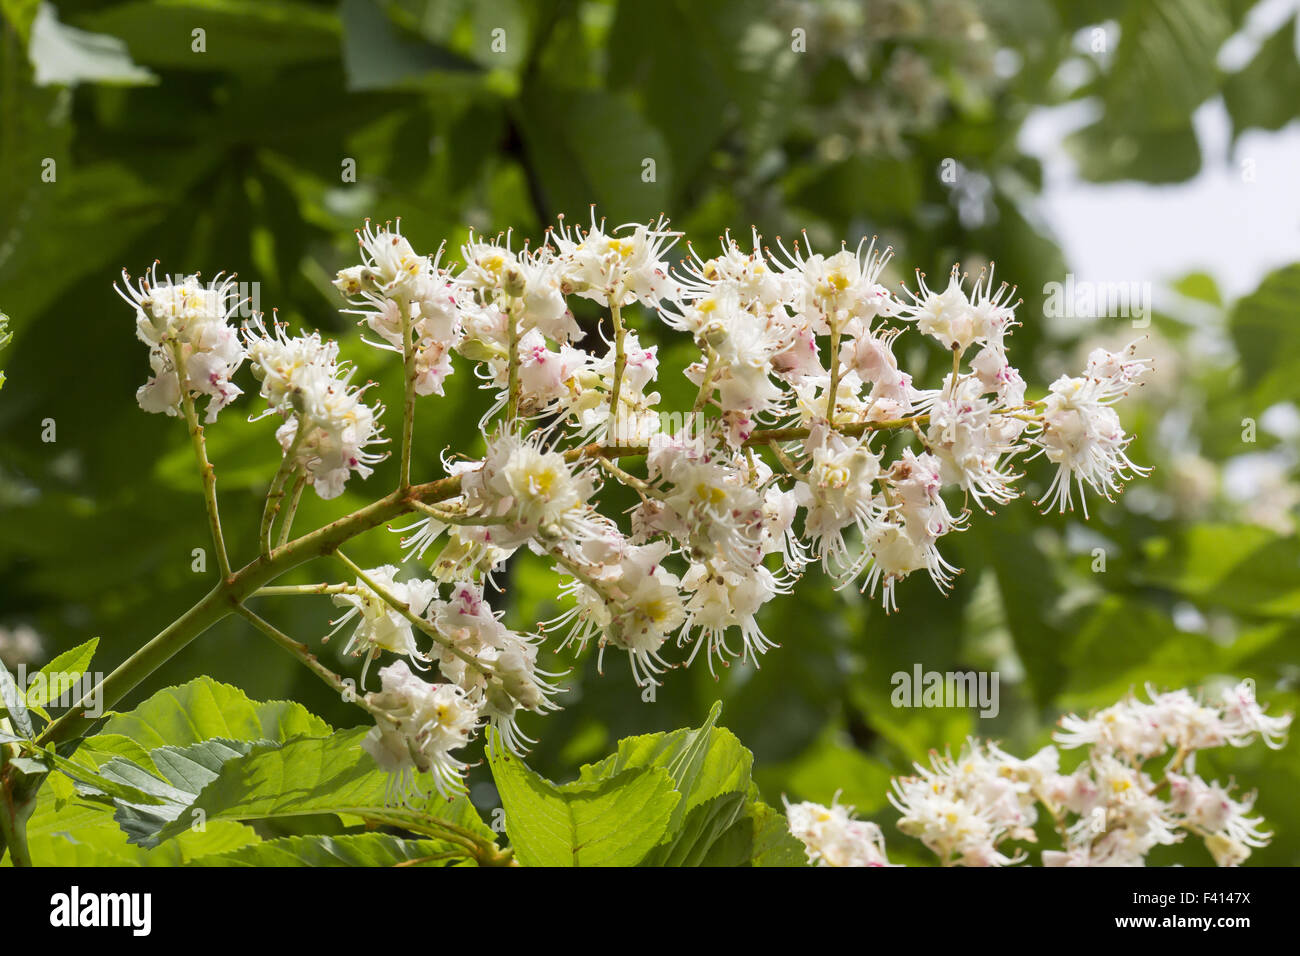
623 597
421 724
184 320
973 440
829 292
619 266
832 837
380 626
722 597
840 494
328 428
1081 434
389 268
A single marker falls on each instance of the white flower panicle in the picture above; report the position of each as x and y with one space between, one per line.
832 837
420 726
327 427
491 673
809 441
379 625
193 348
1115 807
1080 433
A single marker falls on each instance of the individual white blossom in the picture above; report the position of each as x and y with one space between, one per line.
1081 434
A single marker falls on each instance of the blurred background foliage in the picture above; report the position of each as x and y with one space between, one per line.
235 158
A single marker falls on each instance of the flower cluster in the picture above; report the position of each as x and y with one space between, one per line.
780 463
490 672
327 427
808 441
831 837
193 348
1113 808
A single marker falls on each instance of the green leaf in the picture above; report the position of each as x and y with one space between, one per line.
311 776
773 843
360 849
1240 567
68 830
90 781
238 34
204 709
1105 154
378 55
60 674
1267 336
589 146
613 822
761 837
1263 94
1200 286
98 750
1164 65
182 773
704 763
710 769
693 840
12 698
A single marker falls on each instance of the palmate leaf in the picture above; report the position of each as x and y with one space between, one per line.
612 822
310 776
683 798
183 772
357 849
204 709
68 830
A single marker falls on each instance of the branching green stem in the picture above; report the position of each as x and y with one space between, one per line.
404 609
207 472
408 402
275 495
